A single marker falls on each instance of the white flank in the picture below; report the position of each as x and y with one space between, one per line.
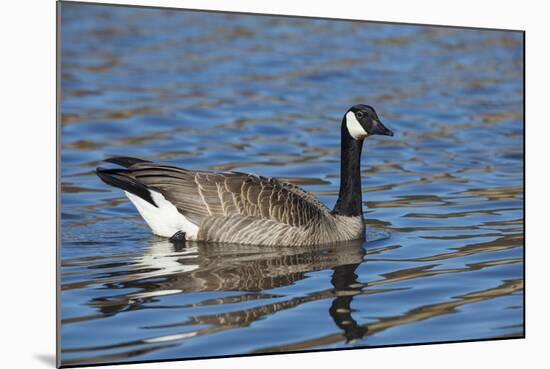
164 220
355 128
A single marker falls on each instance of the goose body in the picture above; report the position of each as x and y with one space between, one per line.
234 207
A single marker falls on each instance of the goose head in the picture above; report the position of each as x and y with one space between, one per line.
362 121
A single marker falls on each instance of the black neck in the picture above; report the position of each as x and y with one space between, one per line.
349 200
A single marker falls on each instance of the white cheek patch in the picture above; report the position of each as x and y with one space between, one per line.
355 128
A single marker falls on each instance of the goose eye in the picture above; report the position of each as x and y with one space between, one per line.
359 115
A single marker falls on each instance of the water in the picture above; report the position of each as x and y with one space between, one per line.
443 199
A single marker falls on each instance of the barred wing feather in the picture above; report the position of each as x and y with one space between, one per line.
201 194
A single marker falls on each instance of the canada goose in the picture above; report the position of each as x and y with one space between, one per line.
243 208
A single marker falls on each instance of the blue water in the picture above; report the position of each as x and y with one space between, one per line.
443 198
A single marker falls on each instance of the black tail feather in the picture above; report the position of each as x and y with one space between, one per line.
120 178
125 161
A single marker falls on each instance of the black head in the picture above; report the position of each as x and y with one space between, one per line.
362 121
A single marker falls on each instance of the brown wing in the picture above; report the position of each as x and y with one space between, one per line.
199 194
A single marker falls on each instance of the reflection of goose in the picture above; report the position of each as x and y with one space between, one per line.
164 258
167 269
243 208
232 267
345 284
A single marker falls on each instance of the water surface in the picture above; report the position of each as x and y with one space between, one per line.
443 199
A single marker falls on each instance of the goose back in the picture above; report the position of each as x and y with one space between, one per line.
199 194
